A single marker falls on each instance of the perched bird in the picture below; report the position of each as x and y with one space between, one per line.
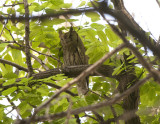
74 54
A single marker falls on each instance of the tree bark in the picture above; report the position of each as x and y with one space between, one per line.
128 78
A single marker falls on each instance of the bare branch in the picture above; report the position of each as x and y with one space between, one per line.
47 55
27 46
14 106
6 21
46 16
13 64
13 4
1 41
58 87
69 110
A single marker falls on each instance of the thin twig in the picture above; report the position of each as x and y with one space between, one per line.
33 56
1 41
13 37
6 20
14 106
69 110
47 55
90 117
13 4
13 64
58 87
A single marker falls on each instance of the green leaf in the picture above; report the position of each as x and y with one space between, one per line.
58 77
7 66
82 3
7 35
58 21
49 11
93 15
3 46
19 95
21 9
17 57
59 109
91 35
151 94
67 5
106 86
113 38
103 37
117 70
4 71
23 106
1 27
10 75
98 27
79 102
37 7
1 113
90 99
31 1
57 2
9 82
96 86
43 90
9 91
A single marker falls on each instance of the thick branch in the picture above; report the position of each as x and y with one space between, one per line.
73 71
130 25
27 31
46 16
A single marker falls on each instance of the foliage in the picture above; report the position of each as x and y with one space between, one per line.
23 96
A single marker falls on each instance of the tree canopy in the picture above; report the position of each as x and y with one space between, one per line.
36 86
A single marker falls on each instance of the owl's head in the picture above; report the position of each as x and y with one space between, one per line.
69 38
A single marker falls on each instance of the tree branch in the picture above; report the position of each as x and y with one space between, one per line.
33 56
27 46
58 87
13 64
18 3
46 16
73 71
130 25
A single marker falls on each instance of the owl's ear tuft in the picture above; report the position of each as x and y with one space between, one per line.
71 29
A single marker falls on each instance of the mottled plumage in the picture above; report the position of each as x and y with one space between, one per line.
74 54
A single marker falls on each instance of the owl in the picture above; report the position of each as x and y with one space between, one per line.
74 54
